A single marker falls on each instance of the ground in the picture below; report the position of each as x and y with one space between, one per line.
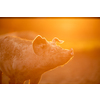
84 68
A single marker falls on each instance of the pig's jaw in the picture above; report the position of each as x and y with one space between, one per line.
45 66
50 62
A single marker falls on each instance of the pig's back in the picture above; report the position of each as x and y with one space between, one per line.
12 45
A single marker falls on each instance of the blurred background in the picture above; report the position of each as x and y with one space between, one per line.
81 34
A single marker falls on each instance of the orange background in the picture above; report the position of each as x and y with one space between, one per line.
81 34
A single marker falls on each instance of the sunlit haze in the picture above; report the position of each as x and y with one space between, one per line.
79 33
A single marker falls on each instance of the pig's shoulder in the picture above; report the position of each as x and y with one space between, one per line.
13 46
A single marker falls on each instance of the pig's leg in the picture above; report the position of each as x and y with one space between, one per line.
0 77
15 80
19 81
35 81
27 82
12 81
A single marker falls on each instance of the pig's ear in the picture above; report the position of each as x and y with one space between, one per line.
54 40
39 45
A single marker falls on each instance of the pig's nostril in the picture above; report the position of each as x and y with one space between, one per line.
72 51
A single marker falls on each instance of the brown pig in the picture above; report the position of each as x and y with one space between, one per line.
23 60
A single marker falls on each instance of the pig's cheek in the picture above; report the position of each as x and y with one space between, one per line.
52 52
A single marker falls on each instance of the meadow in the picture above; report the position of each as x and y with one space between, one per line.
84 68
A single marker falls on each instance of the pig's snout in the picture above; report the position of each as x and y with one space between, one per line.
72 51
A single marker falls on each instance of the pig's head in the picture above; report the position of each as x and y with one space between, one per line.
51 54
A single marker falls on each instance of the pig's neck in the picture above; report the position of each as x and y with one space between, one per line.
45 66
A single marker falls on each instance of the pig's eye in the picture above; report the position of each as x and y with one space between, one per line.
43 47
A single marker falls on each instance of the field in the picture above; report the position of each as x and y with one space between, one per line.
84 68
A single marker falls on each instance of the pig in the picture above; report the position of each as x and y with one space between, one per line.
23 60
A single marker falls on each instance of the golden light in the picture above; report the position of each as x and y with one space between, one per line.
81 34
